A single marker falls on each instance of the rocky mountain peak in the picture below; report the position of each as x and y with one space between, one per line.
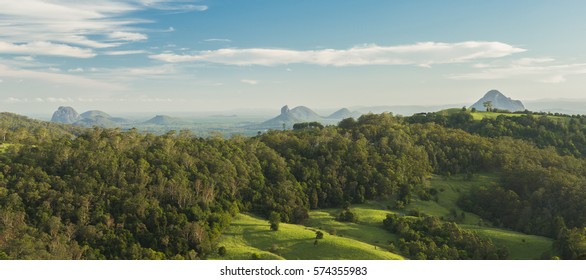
66 115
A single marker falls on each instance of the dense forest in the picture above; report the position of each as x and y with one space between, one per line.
74 193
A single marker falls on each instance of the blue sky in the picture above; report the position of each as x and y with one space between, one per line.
213 55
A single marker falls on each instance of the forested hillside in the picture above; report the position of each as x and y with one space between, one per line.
108 194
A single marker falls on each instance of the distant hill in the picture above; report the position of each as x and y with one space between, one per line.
343 113
300 114
99 121
65 115
68 115
292 116
499 101
94 113
163 120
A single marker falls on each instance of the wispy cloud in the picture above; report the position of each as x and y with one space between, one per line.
217 40
545 70
38 27
127 36
249 82
422 54
45 48
128 52
177 6
57 78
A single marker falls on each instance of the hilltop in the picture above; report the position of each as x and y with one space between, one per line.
499 101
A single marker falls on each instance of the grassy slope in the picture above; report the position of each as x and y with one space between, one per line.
367 229
521 246
492 115
366 239
248 234
479 115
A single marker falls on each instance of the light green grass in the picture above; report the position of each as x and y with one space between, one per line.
493 115
451 188
366 238
368 228
521 246
248 235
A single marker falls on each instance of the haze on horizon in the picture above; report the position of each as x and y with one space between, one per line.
221 55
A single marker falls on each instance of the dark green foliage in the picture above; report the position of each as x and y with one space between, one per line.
222 251
431 239
319 235
274 220
72 193
307 125
347 216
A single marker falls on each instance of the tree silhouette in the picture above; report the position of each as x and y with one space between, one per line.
488 106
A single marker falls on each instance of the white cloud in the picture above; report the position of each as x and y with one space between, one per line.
25 58
249 82
167 5
129 52
127 36
56 78
59 99
543 70
217 40
45 48
76 24
422 54
76 70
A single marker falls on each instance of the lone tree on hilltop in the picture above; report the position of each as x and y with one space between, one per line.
487 105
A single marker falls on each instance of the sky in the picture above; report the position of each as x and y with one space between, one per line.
222 55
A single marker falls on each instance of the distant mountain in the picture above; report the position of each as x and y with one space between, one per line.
343 113
65 115
290 117
304 114
92 118
499 101
94 114
163 120
99 121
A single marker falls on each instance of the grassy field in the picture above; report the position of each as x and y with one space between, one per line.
449 190
248 235
368 228
492 115
366 238
521 246
479 115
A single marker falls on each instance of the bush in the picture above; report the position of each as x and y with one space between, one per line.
347 216
319 235
274 220
222 251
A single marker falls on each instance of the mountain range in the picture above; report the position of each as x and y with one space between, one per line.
68 115
289 117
